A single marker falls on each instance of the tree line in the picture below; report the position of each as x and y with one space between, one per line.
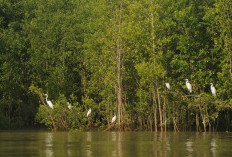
115 56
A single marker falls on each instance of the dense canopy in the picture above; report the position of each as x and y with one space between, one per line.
115 56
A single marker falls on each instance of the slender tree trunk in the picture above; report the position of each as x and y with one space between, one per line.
227 120
175 125
164 114
155 104
204 124
230 69
150 121
154 108
203 118
140 123
119 80
160 108
152 29
83 80
197 122
209 127
119 72
230 58
174 119
228 14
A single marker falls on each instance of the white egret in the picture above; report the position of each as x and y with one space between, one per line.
188 85
48 101
69 105
168 85
88 113
213 89
113 119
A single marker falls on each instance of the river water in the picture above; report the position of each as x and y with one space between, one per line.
114 144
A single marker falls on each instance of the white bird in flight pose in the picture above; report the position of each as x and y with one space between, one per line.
48 101
188 85
213 89
168 85
88 113
114 118
69 105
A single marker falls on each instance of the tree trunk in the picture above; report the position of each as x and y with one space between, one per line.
230 69
119 91
197 122
174 119
152 29
204 124
154 108
140 123
150 121
228 14
119 72
83 80
164 114
203 117
209 127
160 109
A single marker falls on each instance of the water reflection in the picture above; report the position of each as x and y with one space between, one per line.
69 141
213 147
49 144
88 145
114 136
119 144
114 139
88 136
168 144
189 147
114 144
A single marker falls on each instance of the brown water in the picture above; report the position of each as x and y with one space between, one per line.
114 144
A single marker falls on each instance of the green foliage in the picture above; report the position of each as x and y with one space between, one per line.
70 51
61 117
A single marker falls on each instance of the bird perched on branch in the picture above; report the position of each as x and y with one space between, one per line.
213 89
88 113
168 85
188 85
113 119
69 105
49 102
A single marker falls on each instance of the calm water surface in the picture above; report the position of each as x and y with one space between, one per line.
113 144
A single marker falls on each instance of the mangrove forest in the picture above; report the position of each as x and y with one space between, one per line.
127 65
